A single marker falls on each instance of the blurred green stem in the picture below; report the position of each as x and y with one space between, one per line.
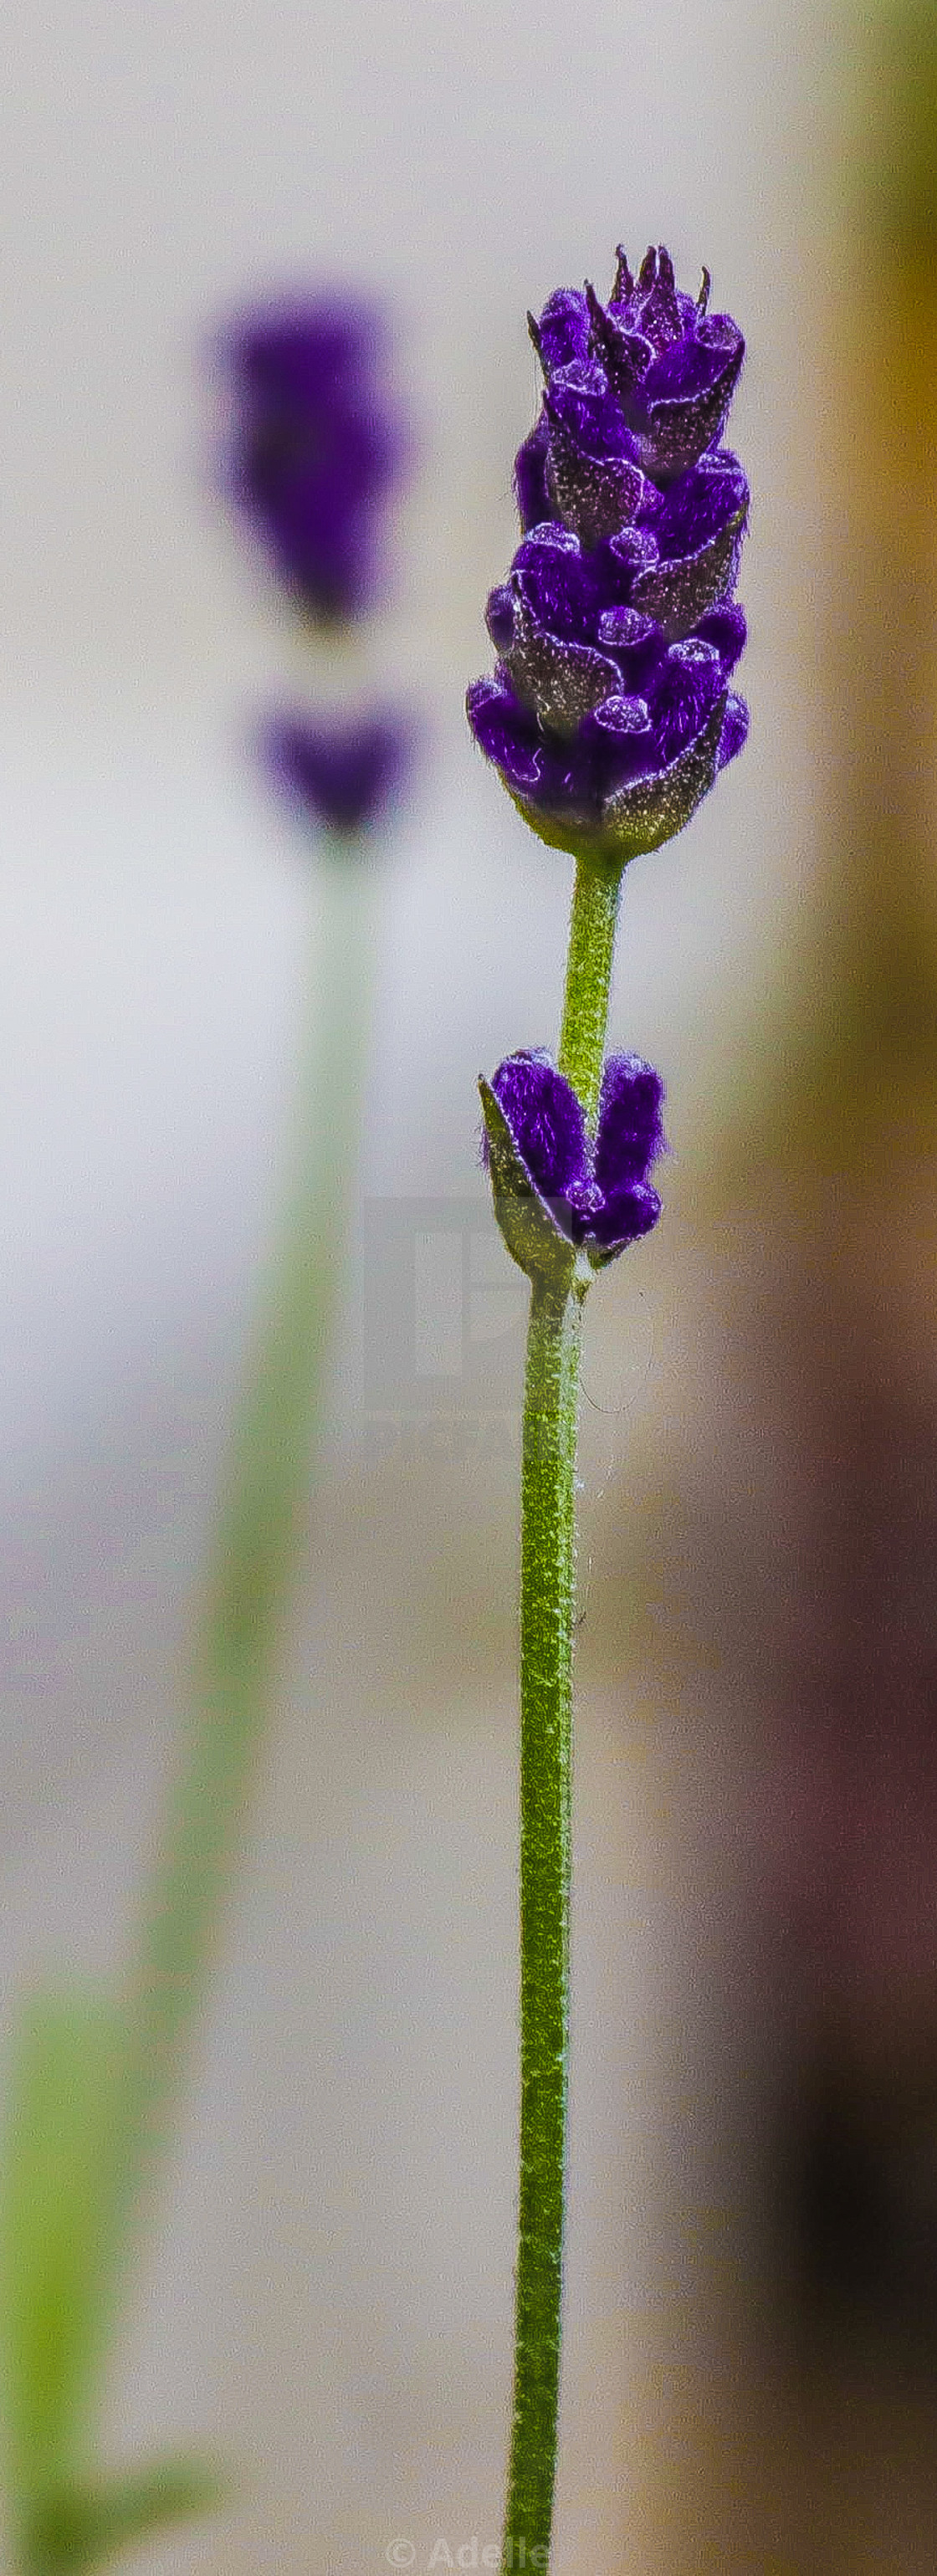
259 1535
93 2086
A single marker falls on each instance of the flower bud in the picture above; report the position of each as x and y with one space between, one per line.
315 445
617 633
557 1190
341 774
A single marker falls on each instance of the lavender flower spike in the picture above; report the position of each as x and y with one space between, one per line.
557 1190
314 445
341 774
617 631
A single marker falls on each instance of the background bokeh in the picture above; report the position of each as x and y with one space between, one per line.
329 2297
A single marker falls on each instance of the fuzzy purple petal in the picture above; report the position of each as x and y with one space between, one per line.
630 1133
734 733
594 470
564 328
639 649
696 362
592 420
636 547
534 500
499 617
725 628
690 685
684 398
624 1217
698 533
534 770
701 504
620 739
562 589
546 1124
623 630
625 354
654 803
562 681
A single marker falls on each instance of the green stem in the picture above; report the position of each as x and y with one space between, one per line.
258 1538
593 920
547 1590
548 1576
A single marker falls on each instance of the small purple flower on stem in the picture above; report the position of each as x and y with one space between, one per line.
617 633
555 1187
342 774
315 445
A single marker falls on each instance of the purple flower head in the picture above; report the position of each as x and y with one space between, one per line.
556 1189
315 445
343 775
617 632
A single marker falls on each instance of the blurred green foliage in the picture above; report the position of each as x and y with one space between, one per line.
56 2216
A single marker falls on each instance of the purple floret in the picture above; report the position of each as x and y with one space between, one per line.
343 775
592 1194
314 446
546 1122
617 632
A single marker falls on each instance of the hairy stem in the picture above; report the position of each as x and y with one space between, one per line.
548 1576
593 920
547 1586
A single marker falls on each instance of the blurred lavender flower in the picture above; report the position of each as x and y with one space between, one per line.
555 1186
617 632
344 773
315 445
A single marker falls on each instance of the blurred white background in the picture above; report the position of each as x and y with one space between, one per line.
331 2296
